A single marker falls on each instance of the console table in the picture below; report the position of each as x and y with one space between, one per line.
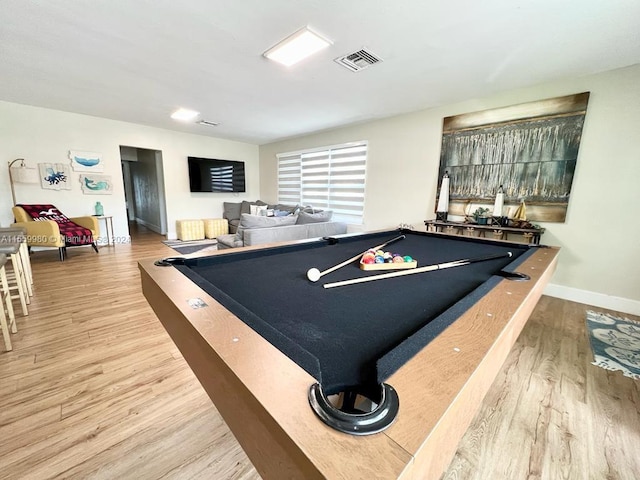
498 232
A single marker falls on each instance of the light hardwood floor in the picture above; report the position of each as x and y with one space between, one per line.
94 388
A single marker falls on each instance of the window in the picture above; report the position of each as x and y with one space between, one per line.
329 178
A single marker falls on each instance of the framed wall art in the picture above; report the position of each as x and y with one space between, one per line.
86 161
96 184
54 176
531 150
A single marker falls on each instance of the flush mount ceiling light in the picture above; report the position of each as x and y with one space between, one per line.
184 114
297 46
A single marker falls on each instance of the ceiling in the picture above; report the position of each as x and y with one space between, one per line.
139 60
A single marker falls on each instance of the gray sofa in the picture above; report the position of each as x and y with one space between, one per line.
257 230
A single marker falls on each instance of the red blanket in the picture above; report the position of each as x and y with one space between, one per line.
73 233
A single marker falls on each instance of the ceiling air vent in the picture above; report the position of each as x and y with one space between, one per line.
359 60
208 123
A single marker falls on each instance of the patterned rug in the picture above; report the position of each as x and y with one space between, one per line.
615 343
185 248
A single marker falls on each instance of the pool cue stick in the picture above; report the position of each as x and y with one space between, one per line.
314 274
428 268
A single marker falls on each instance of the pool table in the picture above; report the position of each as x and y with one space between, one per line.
260 336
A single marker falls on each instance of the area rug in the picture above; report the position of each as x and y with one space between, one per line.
185 248
615 343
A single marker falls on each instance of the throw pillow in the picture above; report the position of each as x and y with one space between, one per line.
304 217
260 210
285 208
310 209
282 213
246 206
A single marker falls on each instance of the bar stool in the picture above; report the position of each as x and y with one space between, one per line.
18 277
19 235
23 259
5 303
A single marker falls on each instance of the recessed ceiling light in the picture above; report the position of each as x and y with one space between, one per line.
184 114
297 46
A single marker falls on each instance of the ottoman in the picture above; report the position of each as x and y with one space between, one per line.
214 227
190 229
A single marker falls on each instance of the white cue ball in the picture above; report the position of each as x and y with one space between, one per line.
313 274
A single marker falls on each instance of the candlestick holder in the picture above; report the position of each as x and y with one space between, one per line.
501 221
442 216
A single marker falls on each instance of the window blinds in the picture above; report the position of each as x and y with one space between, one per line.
330 178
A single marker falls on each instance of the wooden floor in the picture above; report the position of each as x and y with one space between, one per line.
94 388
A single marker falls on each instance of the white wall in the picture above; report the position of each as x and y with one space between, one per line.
41 135
600 258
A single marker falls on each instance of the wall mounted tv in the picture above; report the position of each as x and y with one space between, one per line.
212 175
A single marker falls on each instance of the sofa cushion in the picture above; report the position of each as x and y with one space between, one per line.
260 221
233 225
228 241
319 217
231 210
259 236
248 221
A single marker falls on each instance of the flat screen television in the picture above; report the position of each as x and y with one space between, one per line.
213 175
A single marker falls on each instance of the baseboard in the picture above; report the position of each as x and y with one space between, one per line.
151 226
619 304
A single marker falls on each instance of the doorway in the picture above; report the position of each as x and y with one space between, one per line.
143 177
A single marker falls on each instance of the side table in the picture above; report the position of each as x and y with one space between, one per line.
108 226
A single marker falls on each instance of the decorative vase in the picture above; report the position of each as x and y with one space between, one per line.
99 209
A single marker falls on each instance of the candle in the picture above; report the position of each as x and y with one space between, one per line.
499 203
443 201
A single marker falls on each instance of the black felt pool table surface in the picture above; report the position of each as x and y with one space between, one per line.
357 334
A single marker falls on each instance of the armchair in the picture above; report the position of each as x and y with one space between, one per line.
46 233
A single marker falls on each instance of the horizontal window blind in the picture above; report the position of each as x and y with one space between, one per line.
331 178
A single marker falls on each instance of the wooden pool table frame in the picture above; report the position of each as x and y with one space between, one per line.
262 394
